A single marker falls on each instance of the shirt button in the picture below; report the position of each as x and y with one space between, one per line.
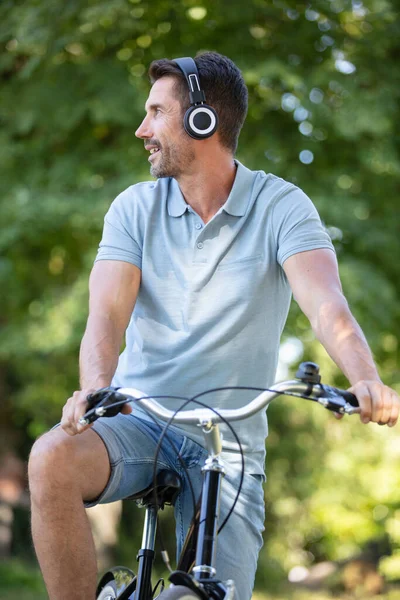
198 225
200 245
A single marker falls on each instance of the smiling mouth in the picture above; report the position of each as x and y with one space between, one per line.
153 153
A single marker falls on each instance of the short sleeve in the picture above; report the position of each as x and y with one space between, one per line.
297 225
120 239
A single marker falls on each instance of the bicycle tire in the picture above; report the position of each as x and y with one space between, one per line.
118 582
178 592
109 591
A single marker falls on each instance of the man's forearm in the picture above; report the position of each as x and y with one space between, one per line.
99 352
343 339
315 282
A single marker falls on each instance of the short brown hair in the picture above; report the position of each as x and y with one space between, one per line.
224 88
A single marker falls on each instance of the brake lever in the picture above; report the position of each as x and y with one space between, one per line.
338 405
338 401
100 401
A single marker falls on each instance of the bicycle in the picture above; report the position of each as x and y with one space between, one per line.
195 576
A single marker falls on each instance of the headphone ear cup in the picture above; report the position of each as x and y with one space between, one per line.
200 121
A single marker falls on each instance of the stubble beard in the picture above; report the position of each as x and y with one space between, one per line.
173 161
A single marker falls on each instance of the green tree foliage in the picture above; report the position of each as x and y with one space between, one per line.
324 86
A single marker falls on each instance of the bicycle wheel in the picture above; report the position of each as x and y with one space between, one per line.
178 592
109 592
116 581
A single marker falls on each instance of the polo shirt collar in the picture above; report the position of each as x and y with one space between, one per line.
239 197
236 203
176 202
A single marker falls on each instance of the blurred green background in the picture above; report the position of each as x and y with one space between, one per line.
324 83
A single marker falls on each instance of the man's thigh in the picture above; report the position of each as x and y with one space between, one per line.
132 444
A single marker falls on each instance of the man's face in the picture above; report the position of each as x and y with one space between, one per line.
171 149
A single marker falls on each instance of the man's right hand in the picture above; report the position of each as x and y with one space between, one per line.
75 408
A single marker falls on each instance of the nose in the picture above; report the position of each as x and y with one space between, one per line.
144 129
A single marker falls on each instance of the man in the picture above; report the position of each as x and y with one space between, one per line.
197 268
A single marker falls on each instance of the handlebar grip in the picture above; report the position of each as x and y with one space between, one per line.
92 399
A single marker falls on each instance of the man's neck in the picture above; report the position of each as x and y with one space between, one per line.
208 186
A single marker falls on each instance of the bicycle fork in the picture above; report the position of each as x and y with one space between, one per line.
146 555
213 472
204 571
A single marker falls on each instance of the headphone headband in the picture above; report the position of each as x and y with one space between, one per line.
189 68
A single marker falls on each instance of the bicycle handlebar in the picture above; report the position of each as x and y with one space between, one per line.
109 401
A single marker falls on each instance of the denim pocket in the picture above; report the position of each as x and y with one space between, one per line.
191 453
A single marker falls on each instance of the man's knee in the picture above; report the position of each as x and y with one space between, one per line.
59 462
50 461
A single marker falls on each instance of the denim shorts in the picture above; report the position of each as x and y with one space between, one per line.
131 442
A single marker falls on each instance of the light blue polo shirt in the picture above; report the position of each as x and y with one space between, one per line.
213 298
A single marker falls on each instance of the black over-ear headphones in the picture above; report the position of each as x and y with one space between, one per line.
200 120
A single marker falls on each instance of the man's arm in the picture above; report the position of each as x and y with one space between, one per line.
314 279
113 290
